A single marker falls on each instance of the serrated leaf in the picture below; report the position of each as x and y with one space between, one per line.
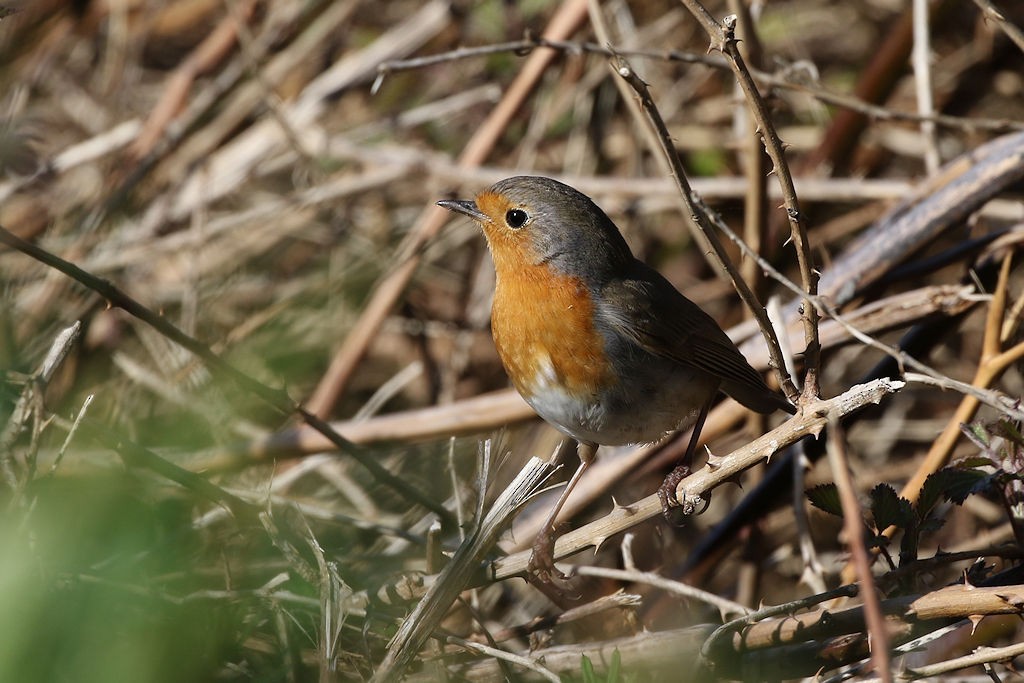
888 509
825 497
933 491
953 484
965 481
974 461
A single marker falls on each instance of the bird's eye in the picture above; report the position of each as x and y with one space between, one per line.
515 218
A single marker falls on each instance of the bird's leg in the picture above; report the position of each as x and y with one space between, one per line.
667 490
542 559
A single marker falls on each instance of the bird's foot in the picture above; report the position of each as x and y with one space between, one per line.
542 558
670 503
542 573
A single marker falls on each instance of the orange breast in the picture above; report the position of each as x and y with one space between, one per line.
543 329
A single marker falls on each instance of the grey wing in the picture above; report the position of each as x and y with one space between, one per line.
665 323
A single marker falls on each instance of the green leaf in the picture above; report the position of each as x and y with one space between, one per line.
614 667
888 509
962 482
975 461
1010 432
587 672
950 483
978 433
932 491
826 497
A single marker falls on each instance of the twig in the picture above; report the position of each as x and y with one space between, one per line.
528 44
204 57
96 147
982 655
779 644
135 455
853 529
786 79
1010 29
72 430
227 107
277 398
939 203
991 365
617 600
31 396
1009 407
717 471
703 221
233 162
528 663
636 113
752 158
716 644
921 60
723 39
812 574
673 652
667 585
471 415
456 576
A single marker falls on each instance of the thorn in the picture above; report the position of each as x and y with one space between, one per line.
598 542
975 620
1012 600
629 508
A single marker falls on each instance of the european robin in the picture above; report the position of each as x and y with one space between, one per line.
599 344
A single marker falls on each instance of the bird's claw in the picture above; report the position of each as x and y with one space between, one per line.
669 500
542 559
542 573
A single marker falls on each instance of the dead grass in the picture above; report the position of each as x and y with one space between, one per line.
251 173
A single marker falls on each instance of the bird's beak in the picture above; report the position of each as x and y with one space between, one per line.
464 206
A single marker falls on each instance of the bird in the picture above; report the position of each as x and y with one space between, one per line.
597 342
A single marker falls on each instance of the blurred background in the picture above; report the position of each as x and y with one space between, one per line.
261 174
